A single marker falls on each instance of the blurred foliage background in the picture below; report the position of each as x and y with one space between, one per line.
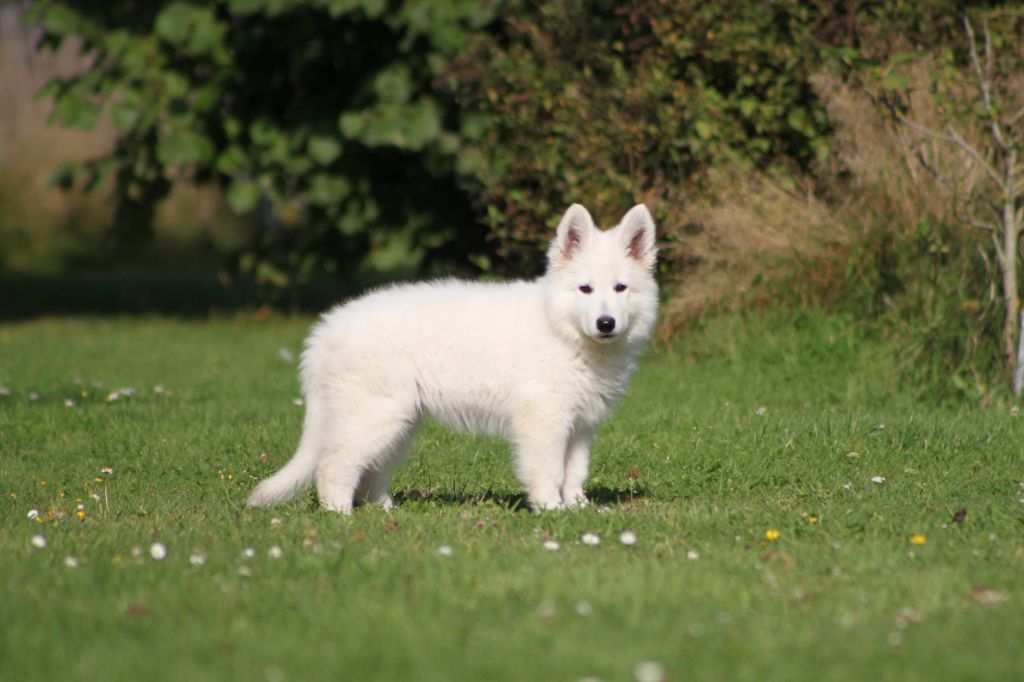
285 143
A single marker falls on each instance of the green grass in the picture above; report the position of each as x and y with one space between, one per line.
369 596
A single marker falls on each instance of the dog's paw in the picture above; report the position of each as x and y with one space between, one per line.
575 500
549 505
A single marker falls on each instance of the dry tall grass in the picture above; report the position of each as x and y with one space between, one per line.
746 233
749 234
879 157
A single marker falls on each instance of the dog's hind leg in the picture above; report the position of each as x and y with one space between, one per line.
362 441
373 487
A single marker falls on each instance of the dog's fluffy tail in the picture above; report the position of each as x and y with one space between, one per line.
283 486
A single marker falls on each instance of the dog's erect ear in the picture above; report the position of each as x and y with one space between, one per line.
638 235
573 231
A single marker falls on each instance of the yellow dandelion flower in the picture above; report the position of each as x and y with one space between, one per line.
80 513
14 496
99 479
812 519
772 534
42 484
917 539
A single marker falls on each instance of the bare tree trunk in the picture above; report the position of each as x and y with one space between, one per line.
1018 374
1011 234
1010 285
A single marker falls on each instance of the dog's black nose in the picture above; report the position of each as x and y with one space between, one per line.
605 324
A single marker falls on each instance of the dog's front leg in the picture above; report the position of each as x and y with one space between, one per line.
539 444
577 465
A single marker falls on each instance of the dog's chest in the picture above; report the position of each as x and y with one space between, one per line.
598 387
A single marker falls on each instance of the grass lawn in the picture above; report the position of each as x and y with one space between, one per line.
744 430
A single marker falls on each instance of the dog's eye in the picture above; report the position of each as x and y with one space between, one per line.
620 287
586 288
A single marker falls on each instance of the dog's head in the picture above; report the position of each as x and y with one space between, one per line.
602 282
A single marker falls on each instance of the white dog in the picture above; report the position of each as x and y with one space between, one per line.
539 362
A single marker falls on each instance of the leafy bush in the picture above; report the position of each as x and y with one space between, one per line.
319 118
609 104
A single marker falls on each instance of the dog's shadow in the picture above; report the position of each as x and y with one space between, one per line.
600 496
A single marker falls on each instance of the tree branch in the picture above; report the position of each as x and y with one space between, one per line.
978 158
983 79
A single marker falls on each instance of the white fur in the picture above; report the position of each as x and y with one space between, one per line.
525 360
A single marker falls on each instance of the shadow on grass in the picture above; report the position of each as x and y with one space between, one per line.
513 501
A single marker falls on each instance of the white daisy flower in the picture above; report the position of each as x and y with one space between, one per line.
445 550
649 671
39 541
275 552
591 539
552 545
628 538
158 551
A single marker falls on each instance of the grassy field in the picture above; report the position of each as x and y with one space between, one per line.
742 460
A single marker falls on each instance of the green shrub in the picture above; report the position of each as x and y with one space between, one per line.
609 104
319 118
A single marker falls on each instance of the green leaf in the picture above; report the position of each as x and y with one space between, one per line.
125 111
747 106
327 190
704 129
410 127
323 148
184 146
60 19
243 196
193 29
394 84
894 81
207 96
174 23
76 110
232 160
797 119
905 58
